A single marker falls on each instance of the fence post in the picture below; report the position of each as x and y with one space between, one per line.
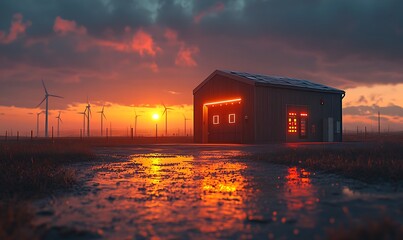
365 133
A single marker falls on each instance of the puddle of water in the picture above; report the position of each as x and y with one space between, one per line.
212 194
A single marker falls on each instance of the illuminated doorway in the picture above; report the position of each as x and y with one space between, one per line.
224 123
297 123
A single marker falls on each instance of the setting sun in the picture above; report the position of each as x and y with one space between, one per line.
156 116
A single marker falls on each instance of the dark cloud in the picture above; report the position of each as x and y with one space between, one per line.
392 110
98 16
362 100
340 43
370 30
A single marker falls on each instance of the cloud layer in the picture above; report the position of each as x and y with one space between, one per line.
135 52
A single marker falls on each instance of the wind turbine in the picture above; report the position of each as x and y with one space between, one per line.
88 109
59 119
102 119
135 122
185 119
47 95
166 118
37 123
84 116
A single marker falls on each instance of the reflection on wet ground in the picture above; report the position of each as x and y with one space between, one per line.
169 194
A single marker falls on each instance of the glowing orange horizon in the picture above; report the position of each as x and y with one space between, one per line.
224 101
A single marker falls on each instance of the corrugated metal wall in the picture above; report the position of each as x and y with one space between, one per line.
271 115
220 88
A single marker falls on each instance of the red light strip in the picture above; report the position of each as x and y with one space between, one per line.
225 101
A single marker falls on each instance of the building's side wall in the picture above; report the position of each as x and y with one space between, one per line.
220 88
271 115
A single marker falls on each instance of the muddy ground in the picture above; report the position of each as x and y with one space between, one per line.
209 191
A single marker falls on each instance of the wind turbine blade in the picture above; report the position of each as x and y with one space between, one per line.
103 115
103 109
44 87
41 101
61 120
51 95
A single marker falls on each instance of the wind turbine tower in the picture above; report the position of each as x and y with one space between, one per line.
135 122
88 109
166 118
59 119
47 95
37 123
84 116
185 119
102 120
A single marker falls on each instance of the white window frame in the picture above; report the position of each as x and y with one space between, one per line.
229 118
216 119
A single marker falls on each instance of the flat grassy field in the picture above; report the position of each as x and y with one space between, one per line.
29 168
369 162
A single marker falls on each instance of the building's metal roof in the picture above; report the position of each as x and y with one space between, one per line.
284 82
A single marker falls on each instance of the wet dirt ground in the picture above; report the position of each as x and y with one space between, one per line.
209 192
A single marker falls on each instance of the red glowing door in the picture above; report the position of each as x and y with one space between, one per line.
224 123
297 123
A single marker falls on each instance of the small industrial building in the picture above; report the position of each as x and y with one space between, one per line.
239 107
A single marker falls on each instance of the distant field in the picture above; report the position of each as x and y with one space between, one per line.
100 141
349 137
365 137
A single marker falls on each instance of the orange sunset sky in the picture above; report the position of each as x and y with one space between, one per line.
135 55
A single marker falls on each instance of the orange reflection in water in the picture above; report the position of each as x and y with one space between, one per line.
300 196
158 191
223 195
